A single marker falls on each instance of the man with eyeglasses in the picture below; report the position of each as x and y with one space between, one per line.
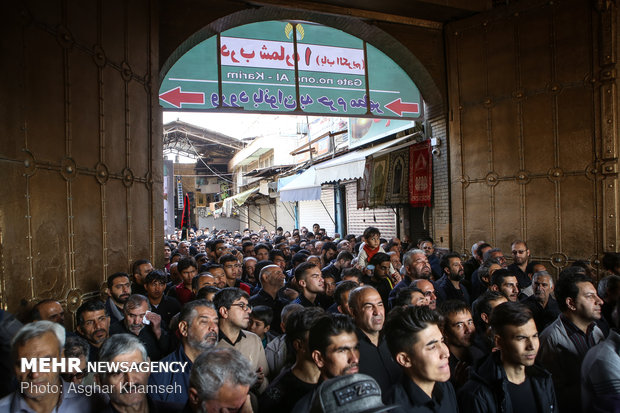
234 310
521 257
428 289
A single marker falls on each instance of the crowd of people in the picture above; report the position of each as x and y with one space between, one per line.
305 322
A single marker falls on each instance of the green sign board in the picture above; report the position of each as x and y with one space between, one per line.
299 68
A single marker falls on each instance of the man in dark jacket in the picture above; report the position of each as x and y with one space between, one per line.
508 380
416 343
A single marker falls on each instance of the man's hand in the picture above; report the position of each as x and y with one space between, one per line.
260 377
155 320
396 277
247 406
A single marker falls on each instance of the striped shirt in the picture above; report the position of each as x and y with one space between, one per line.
582 341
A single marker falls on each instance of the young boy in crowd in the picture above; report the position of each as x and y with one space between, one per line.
370 247
260 323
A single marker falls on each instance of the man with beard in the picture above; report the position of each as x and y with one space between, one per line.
93 323
565 342
140 269
166 307
506 283
144 324
198 328
416 267
41 391
334 349
248 276
450 287
542 304
119 290
380 278
234 311
183 248
508 380
328 252
368 312
459 330
521 258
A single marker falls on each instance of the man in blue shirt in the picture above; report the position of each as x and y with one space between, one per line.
198 327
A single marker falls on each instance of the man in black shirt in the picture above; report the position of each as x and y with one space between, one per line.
416 343
508 379
381 279
155 339
543 306
521 258
296 381
368 312
343 260
166 307
334 349
459 331
450 286
139 270
310 281
272 280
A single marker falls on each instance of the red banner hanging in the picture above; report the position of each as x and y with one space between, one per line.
420 174
185 217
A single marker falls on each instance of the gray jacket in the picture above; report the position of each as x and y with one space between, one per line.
559 356
600 376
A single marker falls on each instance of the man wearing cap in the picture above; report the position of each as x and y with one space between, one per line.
354 393
416 343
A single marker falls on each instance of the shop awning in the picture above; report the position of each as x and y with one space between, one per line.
238 199
302 188
350 165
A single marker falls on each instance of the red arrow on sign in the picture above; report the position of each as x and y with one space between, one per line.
397 106
176 98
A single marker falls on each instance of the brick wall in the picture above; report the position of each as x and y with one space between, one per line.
440 215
